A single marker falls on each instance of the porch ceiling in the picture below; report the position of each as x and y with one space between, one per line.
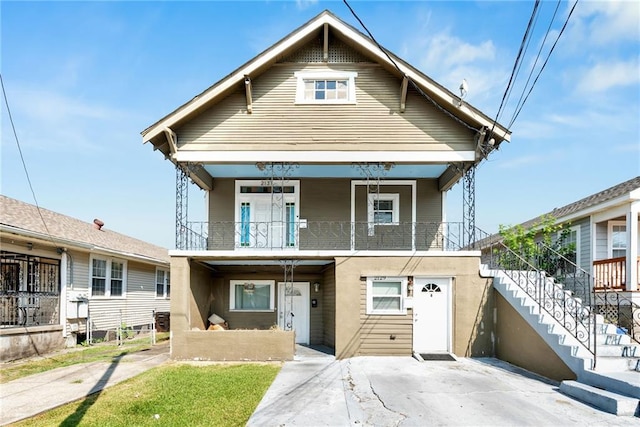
326 171
267 262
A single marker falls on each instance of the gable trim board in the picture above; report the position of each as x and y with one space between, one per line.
445 99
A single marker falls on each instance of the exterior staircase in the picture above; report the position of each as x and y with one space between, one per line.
605 360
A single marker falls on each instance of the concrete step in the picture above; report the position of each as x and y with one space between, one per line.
626 383
616 364
607 401
630 350
613 339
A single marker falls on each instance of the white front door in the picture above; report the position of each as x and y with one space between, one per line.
293 309
431 315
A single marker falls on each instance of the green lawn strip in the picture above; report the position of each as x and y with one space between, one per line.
100 352
180 395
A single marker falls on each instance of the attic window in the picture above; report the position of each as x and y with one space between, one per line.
325 87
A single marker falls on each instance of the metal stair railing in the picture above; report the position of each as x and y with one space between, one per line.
529 273
612 305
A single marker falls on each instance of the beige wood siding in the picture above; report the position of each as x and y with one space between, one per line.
277 123
384 335
329 308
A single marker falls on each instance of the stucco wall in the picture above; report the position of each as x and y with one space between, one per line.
471 310
18 343
233 345
519 344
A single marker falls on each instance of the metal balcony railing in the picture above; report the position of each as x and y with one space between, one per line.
325 235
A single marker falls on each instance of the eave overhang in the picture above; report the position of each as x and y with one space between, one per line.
468 114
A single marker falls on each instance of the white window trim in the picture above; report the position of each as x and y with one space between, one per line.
232 295
575 228
395 214
350 76
403 295
107 285
287 197
610 236
166 279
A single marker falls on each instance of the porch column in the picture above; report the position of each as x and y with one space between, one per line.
632 247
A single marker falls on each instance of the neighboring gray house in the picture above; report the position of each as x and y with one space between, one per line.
605 230
68 280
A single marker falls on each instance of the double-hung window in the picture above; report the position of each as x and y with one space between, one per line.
326 87
382 209
385 295
618 233
252 295
163 287
108 277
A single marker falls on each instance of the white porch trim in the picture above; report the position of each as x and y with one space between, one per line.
316 157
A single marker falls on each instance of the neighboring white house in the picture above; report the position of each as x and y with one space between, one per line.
63 281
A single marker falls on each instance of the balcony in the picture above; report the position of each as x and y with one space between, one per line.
611 273
325 236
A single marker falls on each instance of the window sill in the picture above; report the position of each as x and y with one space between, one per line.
387 313
324 102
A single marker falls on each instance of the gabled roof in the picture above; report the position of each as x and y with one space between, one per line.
298 38
627 190
23 219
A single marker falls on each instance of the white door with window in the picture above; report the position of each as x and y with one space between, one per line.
293 309
266 215
431 315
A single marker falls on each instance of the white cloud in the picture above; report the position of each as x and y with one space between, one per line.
605 22
449 59
303 4
52 121
606 75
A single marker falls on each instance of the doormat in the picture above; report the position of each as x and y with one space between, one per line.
438 356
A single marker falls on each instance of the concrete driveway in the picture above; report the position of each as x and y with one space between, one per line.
317 390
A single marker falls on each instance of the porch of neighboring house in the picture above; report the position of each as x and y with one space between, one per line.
617 254
29 305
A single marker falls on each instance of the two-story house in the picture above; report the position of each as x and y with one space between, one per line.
326 162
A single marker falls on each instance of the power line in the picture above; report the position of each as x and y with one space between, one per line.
413 84
544 40
517 113
515 64
24 164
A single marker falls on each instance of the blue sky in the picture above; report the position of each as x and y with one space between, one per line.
83 79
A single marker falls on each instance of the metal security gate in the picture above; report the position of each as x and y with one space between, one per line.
29 290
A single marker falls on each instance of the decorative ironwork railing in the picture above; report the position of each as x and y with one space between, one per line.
557 284
29 309
29 290
325 235
567 292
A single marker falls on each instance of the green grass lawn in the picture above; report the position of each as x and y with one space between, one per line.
171 395
99 352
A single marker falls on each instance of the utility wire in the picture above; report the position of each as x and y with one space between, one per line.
517 113
515 65
413 84
24 164
544 40
535 15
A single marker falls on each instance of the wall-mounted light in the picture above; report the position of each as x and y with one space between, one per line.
30 246
316 286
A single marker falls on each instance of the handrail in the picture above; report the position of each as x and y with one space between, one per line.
571 312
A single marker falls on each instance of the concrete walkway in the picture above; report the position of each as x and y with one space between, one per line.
29 396
317 390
